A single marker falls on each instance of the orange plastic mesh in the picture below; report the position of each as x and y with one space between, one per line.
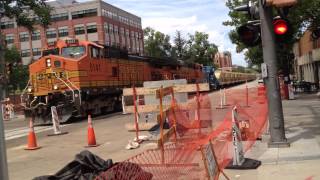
196 125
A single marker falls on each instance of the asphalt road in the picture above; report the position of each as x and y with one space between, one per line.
57 151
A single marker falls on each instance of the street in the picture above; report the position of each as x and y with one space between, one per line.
57 151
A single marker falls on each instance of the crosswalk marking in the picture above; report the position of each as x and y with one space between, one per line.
24 131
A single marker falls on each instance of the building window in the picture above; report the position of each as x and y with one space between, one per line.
79 30
106 28
35 35
84 13
63 32
51 34
9 39
116 30
111 28
7 25
91 28
25 53
122 31
36 51
59 17
24 37
127 32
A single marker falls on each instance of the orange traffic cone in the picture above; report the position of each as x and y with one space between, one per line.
91 136
32 141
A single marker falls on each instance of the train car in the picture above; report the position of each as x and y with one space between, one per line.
225 78
82 77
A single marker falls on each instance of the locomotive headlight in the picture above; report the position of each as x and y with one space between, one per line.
48 61
29 89
55 87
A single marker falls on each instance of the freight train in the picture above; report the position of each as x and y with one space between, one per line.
82 77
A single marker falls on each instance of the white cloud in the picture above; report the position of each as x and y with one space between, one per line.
189 16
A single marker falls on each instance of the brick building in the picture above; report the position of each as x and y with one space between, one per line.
307 58
93 20
223 60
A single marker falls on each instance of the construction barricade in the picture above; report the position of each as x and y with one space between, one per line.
205 139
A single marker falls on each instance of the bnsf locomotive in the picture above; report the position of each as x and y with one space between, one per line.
81 77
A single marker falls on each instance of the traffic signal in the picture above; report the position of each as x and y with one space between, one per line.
282 29
249 34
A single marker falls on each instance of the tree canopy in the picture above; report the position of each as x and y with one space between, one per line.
196 48
27 12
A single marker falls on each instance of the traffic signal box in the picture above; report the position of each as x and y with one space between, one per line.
250 33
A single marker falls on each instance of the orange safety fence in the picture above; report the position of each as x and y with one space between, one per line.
201 121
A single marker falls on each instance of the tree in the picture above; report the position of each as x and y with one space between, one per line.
179 45
26 13
19 76
156 43
199 49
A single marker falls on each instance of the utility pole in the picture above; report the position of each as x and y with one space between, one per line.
276 120
3 151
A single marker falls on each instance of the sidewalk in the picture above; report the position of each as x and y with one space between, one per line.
299 162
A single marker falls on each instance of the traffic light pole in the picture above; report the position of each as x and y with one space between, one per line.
276 120
3 150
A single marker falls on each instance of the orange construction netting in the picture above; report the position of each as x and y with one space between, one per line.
197 124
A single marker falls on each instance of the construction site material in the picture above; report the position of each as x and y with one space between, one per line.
178 155
239 161
56 123
32 140
86 165
143 126
91 135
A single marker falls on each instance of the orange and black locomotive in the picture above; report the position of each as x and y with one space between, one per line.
82 77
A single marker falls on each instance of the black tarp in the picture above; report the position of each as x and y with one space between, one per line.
85 166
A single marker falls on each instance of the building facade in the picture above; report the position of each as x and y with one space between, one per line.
223 60
307 58
95 21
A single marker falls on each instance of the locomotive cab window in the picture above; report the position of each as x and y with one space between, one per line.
73 51
47 52
95 52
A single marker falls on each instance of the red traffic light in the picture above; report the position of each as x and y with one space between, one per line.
280 27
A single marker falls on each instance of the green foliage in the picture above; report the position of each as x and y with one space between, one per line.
28 12
12 55
156 43
195 49
199 49
19 76
306 14
179 45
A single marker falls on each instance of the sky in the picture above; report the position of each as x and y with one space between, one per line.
189 16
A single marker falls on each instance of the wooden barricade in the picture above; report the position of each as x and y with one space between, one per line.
162 108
